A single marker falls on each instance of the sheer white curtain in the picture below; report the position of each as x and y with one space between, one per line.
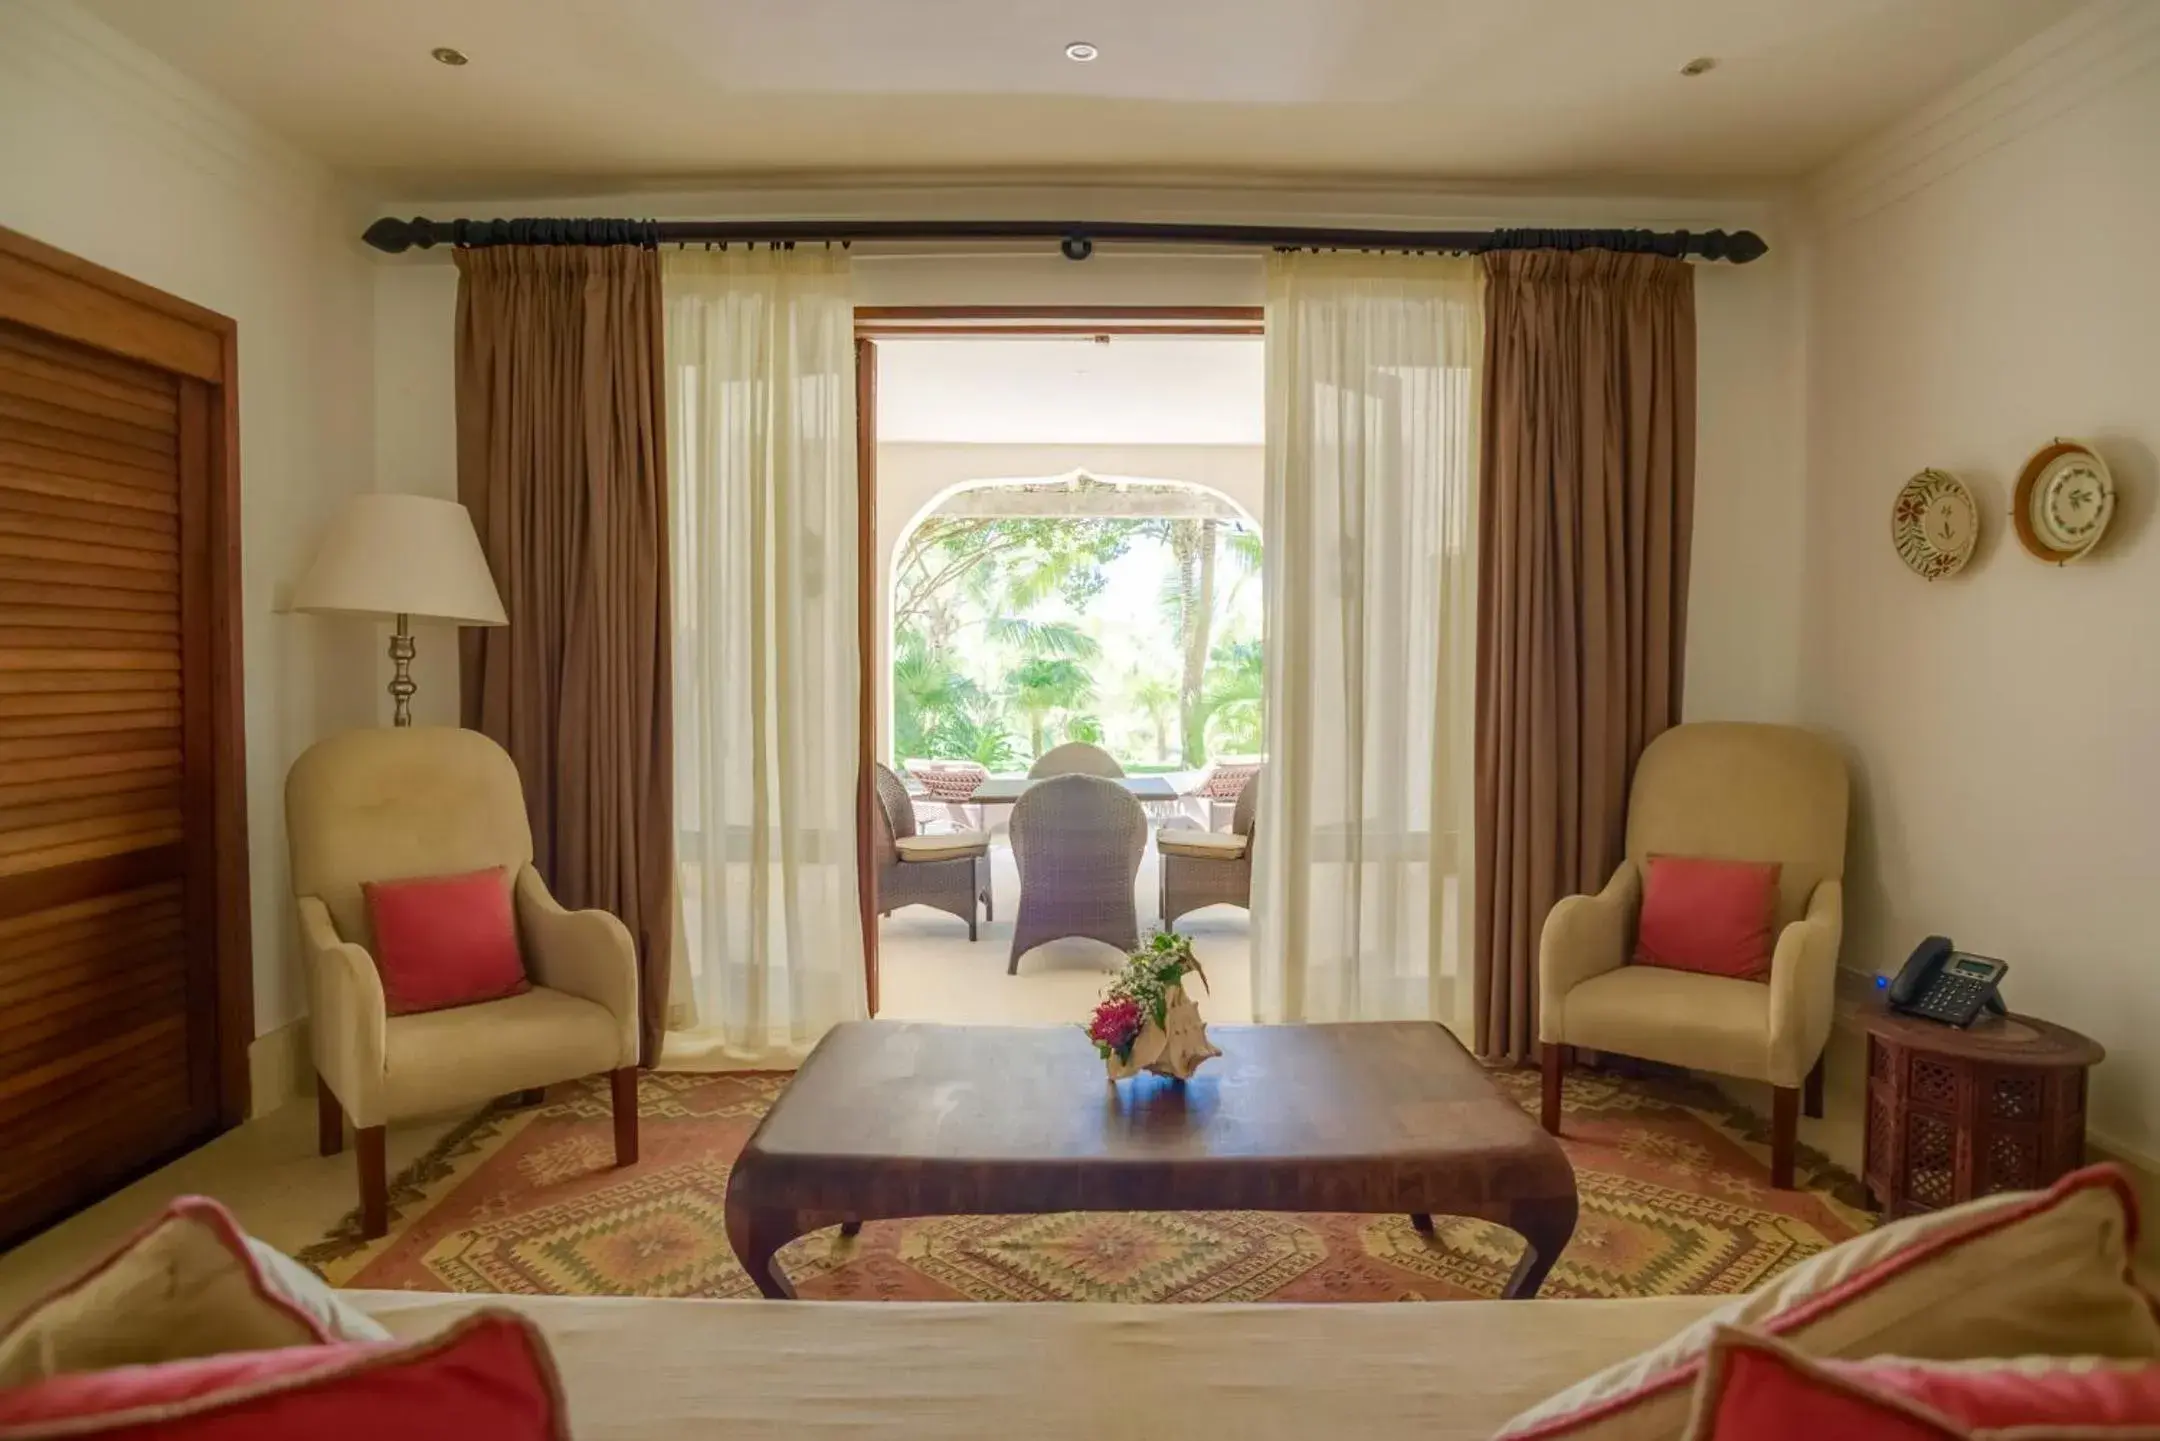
761 460
1361 884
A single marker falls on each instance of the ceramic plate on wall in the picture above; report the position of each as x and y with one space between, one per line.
1934 524
2064 501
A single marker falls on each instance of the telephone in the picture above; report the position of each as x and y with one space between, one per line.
1941 983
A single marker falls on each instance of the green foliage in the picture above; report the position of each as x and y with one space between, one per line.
995 652
1234 699
1042 687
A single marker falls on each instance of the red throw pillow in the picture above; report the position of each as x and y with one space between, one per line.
488 1376
1757 1389
2016 1274
445 941
1714 917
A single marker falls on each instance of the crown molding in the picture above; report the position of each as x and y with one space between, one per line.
2060 70
55 46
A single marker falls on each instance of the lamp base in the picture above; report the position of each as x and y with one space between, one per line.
402 689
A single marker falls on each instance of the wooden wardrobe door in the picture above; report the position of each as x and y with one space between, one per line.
108 924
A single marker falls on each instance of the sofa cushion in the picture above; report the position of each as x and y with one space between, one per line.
445 940
1757 1389
950 846
440 1059
486 1377
1709 916
2027 1273
1206 845
1709 1023
190 1283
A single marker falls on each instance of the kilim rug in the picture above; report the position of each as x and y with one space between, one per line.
1676 1200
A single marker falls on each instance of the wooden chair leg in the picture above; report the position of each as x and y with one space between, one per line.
1811 1100
624 1083
374 1182
329 1119
1554 1057
1784 1134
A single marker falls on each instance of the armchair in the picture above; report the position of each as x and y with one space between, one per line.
388 804
948 872
1735 792
1205 868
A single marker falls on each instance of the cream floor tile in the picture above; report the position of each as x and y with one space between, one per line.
266 1171
929 971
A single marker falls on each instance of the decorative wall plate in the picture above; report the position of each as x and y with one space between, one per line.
2064 501
1934 524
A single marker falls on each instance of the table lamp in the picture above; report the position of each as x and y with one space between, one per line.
402 558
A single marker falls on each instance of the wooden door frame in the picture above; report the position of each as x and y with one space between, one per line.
49 290
960 322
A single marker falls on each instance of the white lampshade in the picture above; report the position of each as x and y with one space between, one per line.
393 555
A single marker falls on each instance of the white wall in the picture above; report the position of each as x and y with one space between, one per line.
107 152
1984 279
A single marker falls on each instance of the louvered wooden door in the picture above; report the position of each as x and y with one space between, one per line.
109 897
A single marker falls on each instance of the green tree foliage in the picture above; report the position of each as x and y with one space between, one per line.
1041 688
992 636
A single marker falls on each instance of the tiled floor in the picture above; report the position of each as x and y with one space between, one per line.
928 970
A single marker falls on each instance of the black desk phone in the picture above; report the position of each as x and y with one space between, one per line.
1941 983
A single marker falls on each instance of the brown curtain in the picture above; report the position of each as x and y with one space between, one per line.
1586 504
562 459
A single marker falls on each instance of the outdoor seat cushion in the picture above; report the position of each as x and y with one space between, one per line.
1208 845
950 846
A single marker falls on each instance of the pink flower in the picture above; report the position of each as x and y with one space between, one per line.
1116 1023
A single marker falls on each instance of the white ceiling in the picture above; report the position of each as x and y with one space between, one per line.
574 91
1135 390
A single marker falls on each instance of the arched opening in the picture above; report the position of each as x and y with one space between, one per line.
1117 610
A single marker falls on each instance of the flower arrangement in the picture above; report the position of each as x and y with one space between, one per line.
1146 1020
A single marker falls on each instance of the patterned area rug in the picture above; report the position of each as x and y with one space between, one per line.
1674 1180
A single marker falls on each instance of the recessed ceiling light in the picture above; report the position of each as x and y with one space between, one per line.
448 56
1081 51
1701 64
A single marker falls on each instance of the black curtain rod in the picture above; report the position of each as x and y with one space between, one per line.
1076 238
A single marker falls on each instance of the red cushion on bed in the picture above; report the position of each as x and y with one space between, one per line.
1758 1389
1710 916
488 1376
445 941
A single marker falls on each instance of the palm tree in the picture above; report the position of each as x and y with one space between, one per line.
1159 698
928 692
1234 702
1042 686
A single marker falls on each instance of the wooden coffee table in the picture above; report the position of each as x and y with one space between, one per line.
889 1119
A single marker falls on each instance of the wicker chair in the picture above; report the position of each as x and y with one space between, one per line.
1078 840
1076 758
949 872
1206 868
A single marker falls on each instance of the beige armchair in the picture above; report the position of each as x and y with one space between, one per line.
1734 792
388 804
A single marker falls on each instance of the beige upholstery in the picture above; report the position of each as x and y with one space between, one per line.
1207 845
1733 792
390 804
653 1370
942 847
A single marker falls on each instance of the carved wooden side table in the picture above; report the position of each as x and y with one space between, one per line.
1953 1114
